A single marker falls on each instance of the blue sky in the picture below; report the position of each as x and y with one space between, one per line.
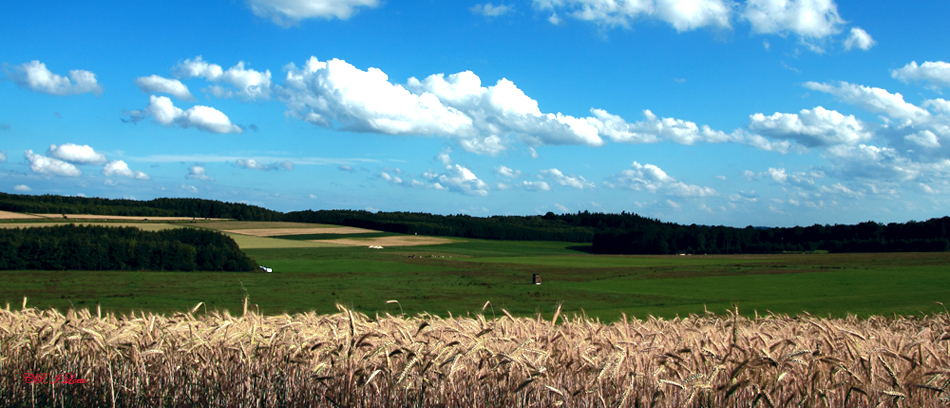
758 112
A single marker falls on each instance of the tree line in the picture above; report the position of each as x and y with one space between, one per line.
72 247
624 233
159 207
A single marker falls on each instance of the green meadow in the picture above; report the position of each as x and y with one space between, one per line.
460 277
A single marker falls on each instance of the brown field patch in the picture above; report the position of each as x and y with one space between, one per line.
238 225
7 215
393 241
122 217
273 232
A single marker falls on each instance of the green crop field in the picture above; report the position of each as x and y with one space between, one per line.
461 276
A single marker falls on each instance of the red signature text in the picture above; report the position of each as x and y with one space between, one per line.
46 378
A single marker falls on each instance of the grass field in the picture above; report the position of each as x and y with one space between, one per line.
461 276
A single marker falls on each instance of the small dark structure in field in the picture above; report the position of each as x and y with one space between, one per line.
536 278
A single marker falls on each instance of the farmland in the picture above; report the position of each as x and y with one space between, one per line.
319 266
459 324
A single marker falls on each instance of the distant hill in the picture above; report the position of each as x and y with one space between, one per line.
624 233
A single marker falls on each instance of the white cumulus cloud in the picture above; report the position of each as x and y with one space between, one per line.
535 185
572 181
935 72
157 84
35 76
121 169
815 127
50 166
198 173
649 177
205 118
682 15
806 18
23 188
242 83
456 178
859 39
287 13
874 100
480 119
3 156
76 154
507 172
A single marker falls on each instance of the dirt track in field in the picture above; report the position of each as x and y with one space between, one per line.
394 241
273 232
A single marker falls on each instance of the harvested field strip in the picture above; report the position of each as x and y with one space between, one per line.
273 232
233 225
310 237
348 359
7 215
123 217
392 241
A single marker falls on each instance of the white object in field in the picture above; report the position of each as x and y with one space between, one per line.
266 269
375 247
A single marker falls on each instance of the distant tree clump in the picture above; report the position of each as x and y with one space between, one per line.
159 207
71 247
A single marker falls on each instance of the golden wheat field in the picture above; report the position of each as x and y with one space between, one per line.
350 360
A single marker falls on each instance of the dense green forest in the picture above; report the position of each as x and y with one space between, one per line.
624 233
627 233
71 247
159 207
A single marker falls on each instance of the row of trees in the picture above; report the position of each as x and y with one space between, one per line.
623 233
71 247
509 228
159 207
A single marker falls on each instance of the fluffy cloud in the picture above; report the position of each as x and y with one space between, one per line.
287 13
649 177
654 129
121 169
806 18
683 15
242 83
456 178
490 10
205 118
198 173
871 162
190 189
577 182
157 84
780 176
507 172
35 76
480 119
3 156
859 39
817 127
255 165
535 185
50 166
874 100
23 188
937 73
76 154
